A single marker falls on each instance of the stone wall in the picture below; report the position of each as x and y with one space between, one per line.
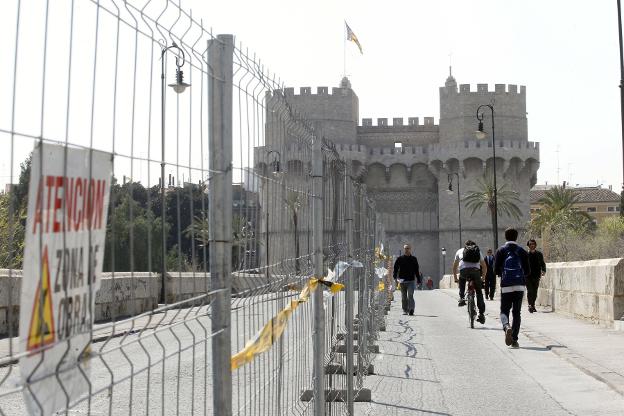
127 294
589 290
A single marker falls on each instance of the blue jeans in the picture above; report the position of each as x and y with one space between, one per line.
407 295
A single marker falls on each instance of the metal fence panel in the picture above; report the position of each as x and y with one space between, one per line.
232 219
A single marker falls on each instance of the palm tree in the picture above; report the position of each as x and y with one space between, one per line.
242 235
559 211
293 202
507 199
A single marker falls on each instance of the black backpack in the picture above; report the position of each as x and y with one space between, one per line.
472 254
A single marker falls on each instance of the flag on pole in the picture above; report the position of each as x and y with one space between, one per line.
351 36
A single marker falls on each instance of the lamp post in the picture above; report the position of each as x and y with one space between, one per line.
443 262
450 191
276 171
178 86
619 7
482 135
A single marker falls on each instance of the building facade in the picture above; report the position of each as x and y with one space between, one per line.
406 164
598 202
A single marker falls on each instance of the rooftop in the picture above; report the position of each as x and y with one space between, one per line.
586 194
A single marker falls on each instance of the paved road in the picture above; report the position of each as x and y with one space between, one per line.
434 364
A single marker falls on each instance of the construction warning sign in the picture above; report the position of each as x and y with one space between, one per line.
68 200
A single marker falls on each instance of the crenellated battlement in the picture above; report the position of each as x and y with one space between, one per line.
485 88
398 122
308 92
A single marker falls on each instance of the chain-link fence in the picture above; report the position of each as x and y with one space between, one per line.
218 256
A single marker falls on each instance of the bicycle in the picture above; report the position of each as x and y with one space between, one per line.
470 303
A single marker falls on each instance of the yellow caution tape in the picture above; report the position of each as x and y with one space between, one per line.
380 256
274 329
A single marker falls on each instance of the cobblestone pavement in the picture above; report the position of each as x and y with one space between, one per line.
432 363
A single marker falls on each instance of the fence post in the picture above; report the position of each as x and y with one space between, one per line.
318 332
220 55
350 285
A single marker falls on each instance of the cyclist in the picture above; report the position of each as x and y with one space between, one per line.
471 265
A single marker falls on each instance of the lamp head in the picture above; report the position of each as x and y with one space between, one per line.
443 251
179 86
276 166
480 134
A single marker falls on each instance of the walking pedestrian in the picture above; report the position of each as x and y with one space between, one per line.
406 273
469 261
538 268
512 265
490 277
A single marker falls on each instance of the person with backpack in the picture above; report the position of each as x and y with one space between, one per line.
511 263
471 265
538 269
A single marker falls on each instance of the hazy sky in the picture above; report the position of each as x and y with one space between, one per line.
564 52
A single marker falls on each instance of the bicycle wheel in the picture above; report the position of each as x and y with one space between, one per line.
471 311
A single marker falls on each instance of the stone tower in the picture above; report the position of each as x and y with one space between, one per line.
406 164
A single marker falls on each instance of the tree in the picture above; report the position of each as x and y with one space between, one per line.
293 202
133 234
11 234
558 212
243 237
507 199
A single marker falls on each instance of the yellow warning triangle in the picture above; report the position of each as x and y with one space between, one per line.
41 332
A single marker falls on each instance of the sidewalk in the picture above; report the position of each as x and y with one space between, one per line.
597 351
433 363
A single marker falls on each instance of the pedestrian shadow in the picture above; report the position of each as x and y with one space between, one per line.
545 348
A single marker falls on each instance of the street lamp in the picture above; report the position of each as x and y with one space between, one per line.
482 135
276 161
443 261
276 171
178 86
621 103
450 191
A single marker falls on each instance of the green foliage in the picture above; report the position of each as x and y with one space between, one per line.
558 213
507 199
133 236
570 235
12 220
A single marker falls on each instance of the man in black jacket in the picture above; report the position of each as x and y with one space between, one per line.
490 279
406 272
538 268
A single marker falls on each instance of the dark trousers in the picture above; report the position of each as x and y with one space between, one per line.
511 301
490 286
532 284
407 295
472 274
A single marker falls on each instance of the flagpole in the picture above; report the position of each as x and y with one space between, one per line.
344 51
